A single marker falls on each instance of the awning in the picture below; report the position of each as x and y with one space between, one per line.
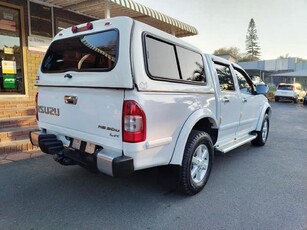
112 8
299 73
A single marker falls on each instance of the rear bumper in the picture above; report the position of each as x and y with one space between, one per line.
101 160
283 97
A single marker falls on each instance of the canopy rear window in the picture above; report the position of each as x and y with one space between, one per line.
91 52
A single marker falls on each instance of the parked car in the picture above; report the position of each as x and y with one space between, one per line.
305 100
117 96
293 92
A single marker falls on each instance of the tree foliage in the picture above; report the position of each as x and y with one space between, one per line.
251 42
233 51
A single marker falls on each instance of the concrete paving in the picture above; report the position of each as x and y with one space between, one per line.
255 188
17 156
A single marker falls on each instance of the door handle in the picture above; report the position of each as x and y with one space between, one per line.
225 100
71 100
68 76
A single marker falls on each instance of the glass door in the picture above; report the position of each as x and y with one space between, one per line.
11 66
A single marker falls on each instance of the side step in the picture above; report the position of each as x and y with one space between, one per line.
235 143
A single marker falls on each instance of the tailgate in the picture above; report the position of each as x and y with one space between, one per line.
93 115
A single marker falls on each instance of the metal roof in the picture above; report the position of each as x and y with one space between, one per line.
106 8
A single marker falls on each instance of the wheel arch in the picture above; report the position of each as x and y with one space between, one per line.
201 120
265 110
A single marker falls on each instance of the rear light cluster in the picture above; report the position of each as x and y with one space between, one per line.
88 26
134 122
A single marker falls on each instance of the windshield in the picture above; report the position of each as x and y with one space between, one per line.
285 87
90 52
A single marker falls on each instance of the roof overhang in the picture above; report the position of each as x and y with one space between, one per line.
299 73
112 8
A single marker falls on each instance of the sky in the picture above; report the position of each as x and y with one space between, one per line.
281 24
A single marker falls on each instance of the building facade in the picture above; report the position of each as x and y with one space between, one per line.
286 70
26 30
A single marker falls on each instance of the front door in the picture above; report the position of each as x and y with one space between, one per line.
250 104
229 100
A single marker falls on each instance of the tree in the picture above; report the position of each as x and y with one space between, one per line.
251 42
233 51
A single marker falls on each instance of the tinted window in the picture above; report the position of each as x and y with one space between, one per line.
82 53
191 65
285 87
225 77
161 59
165 60
243 83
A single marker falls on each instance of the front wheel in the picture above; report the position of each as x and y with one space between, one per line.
262 135
196 163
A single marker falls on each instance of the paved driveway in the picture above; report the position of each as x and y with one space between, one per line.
249 188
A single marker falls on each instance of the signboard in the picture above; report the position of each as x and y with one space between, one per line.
8 50
38 44
9 67
8 25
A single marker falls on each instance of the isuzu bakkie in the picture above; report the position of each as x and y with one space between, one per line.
116 95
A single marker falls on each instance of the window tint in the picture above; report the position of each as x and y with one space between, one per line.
243 84
161 59
191 65
82 53
165 60
225 77
285 87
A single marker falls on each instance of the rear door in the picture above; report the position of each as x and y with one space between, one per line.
82 81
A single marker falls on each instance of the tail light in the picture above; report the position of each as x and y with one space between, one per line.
36 104
76 29
134 122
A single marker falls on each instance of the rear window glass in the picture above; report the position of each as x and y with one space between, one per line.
285 87
90 52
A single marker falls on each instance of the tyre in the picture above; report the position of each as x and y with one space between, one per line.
196 163
276 99
295 100
263 134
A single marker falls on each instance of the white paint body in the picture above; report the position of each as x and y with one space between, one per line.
172 109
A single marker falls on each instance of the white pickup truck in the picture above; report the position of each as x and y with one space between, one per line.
116 95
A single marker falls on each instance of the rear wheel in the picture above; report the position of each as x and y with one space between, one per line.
196 163
276 99
262 135
295 100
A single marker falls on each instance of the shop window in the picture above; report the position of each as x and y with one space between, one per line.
41 20
63 24
63 20
11 67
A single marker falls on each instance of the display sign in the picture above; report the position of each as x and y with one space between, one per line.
9 67
8 25
8 50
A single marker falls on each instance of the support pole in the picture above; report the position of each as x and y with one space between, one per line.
107 9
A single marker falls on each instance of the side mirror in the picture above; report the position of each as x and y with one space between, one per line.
262 89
